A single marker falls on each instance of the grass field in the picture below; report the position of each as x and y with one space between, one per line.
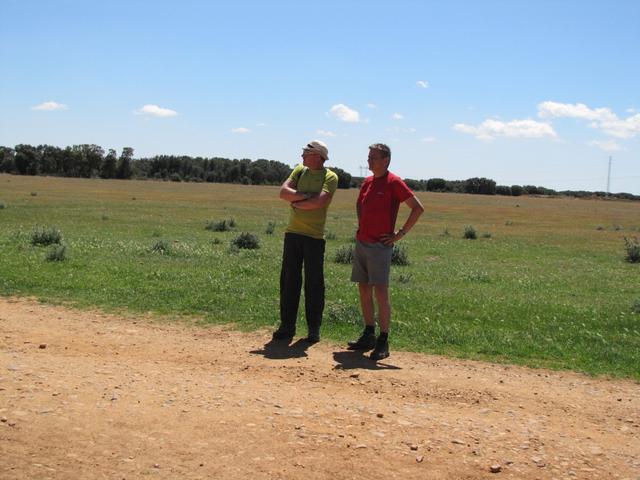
549 287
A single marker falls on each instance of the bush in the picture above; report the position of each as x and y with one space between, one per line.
3 205
330 235
216 241
632 246
246 240
470 233
232 222
34 194
635 308
271 226
508 223
57 253
399 255
344 254
161 246
221 226
486 235
46 236
445 232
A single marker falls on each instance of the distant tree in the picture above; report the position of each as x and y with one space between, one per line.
344 178
124 163
26 159
482 186
109 165
7 163
516 190
503 190
436 185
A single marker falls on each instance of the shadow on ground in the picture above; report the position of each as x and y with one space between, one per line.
280 350
350 360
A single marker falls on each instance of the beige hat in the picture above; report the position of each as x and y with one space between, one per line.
316 146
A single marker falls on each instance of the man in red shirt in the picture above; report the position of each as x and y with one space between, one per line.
378 203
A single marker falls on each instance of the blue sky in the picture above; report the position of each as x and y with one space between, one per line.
522 92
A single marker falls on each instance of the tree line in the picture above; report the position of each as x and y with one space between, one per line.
91 161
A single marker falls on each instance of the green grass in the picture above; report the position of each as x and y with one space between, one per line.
547 289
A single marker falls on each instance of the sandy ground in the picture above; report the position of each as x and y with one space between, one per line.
85 395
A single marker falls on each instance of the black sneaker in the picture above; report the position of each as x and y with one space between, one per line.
312 338
366 342
282 335
381 351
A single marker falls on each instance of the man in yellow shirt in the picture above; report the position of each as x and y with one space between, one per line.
309 190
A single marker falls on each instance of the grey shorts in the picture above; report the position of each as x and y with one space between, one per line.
371 263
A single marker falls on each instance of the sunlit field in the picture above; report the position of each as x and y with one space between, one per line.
544 284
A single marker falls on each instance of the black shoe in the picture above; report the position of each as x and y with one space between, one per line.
366 342
283 335
312 338
381 351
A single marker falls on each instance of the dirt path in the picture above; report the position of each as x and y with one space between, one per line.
88 395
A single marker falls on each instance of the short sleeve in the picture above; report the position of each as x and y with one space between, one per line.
296 172
401 191
330 182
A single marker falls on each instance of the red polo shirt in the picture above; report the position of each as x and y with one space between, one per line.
379 201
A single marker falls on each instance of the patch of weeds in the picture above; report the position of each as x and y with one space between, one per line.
445 232
399 255
246 240
330 235
271 227
216 241
508 223
599 228
57 253
43 236
339 313
344 254
221 226
476 276
104 217
617 228
486 235
155 234
133 198
162 247
470 233
405 278
635 307
632 247
34 194
3 205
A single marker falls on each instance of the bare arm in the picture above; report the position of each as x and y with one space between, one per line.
313 202
289 193
416 210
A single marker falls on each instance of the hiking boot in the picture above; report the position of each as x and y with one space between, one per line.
381 351
312 338
366 342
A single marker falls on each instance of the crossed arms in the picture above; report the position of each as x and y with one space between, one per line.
301 200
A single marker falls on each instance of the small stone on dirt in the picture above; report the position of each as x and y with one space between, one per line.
42 345
495 468
419 458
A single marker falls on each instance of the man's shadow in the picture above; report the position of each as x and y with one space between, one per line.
281 349
350 360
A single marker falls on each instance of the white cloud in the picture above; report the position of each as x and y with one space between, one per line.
372 105
344 113
428 139
262 124
50 106
156 111
490 129
422 84
607 146
601 118
240 130
325 133
397 116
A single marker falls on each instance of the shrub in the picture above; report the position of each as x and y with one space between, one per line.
271 226
635 308
34 194
470 233
399 255
486 235
216 241
57 253
104 217
330 235
46 236
508 223
344 254
246 240
221 226
599 228
445 232
3 205
405 278
632 246
232 222
161 246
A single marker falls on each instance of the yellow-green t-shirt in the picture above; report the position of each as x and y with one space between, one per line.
311 222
